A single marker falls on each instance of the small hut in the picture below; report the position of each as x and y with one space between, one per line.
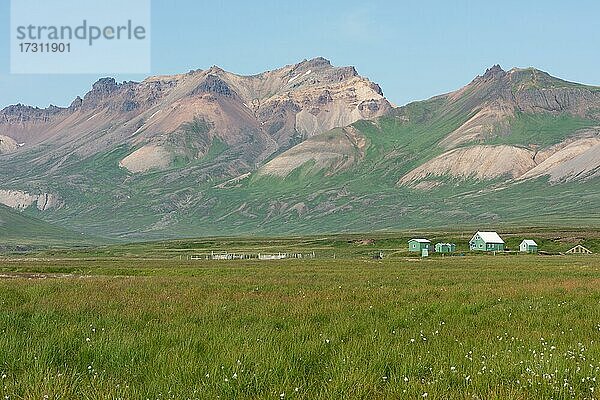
417 245
528 246
445 247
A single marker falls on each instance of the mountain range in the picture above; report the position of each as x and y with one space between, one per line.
306 148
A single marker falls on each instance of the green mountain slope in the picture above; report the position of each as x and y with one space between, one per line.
19 229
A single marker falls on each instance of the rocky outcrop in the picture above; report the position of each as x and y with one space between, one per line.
7 145
574 159
147 158
330 153
575 101
103 88
20 114
107 94
213 84
21 200
476 162
488 122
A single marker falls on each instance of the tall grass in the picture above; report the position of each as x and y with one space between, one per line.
524 327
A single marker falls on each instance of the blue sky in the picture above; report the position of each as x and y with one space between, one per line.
413 49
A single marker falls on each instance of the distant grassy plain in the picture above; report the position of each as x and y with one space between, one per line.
136 321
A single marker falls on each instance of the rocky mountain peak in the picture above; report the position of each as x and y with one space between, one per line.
76 103
105 85
213 84
106 92
102 89
317 62
16 109
494 72
215 69
21 113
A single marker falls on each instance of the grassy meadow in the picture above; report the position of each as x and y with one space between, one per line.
124 322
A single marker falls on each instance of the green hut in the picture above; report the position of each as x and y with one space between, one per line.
418 245
445 247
